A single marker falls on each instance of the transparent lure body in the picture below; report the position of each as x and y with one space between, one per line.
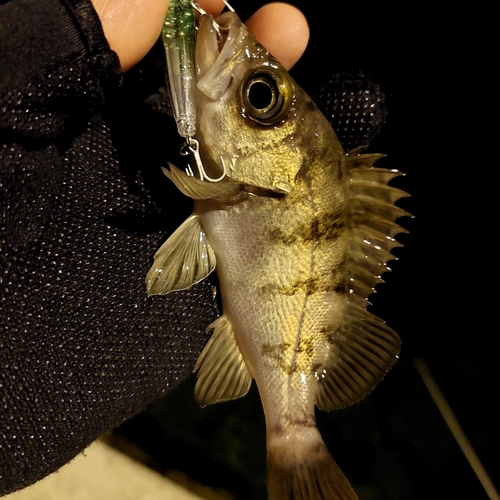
179 35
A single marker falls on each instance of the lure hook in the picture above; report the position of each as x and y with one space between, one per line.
196 6
226 3
202 12
192 146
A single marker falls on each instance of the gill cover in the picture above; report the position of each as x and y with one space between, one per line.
246 111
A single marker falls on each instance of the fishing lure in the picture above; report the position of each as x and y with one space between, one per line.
179 38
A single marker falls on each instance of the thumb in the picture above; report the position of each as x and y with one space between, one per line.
133 26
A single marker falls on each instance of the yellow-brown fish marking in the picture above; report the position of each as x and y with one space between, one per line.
325 226
309 286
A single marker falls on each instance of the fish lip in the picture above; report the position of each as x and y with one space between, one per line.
220 43
217 29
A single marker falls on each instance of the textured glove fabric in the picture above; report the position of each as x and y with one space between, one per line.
81 347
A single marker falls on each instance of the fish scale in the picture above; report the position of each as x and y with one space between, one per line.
299 233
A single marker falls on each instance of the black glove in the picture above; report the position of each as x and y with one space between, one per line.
83 207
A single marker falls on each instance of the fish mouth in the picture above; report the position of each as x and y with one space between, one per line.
219 44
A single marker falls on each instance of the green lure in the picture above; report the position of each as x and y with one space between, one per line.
179 37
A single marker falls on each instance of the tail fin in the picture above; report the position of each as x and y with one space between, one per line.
305 470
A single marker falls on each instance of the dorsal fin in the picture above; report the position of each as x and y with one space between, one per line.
363 347
372 219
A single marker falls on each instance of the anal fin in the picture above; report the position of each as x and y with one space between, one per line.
222 373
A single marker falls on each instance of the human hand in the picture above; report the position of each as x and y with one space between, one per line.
132 27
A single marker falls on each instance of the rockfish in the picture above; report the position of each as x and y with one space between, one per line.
301 233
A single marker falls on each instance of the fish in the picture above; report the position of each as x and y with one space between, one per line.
299 233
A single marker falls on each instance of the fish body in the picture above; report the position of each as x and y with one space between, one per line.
299 232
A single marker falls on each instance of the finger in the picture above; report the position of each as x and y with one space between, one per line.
283 30
129 27
133 26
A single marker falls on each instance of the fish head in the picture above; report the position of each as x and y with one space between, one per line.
253 119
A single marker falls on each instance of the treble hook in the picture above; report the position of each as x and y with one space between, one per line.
196 6
192 146
228 6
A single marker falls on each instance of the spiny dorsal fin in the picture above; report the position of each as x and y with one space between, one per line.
222 373
372 219
363 347
183 260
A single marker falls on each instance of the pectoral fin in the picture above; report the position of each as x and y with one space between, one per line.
222 373
198 189
183 260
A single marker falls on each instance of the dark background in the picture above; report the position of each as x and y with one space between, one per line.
435 76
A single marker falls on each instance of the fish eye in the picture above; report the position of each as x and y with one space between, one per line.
266 96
